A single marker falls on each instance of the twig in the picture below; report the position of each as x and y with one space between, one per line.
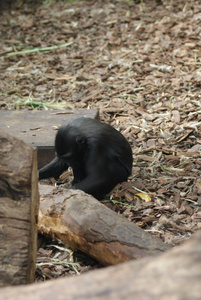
38 49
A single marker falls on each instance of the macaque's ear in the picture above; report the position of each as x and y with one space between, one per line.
80 140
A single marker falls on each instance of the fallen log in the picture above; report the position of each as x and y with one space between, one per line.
18 211
175 274
85 224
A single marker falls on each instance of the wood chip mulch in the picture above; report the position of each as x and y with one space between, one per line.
139 63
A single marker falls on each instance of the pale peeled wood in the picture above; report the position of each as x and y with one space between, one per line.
175 275
85 224
19 200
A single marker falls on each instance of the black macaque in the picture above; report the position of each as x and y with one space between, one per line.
99 155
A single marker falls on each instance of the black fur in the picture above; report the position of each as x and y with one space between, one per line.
99 155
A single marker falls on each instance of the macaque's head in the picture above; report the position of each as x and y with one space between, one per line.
69 143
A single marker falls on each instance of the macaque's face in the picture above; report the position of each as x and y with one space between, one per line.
69 145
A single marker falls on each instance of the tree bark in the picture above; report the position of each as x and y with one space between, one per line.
85 224
174 275
18 211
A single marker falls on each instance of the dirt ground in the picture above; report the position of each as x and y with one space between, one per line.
139 63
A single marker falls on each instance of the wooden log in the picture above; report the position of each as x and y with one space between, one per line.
175 274
85 224
18 211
